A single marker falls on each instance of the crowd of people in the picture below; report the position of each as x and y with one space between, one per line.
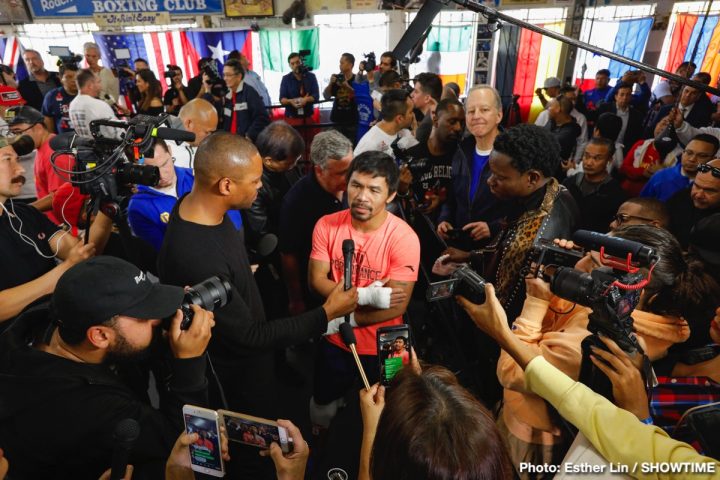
90 317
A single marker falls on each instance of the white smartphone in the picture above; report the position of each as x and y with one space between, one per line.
255 431
205 454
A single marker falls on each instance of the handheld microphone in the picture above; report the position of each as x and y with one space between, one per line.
348 249
126 433
617 247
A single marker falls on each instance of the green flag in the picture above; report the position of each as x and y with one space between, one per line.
276 45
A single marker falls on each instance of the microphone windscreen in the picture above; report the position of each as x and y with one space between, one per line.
267 244
347 333
174 134
126 431
348 246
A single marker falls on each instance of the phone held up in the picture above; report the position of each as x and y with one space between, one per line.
205 454
394 346
255 431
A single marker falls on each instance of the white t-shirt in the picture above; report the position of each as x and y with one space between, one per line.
377 140
662 89
184 154
84 109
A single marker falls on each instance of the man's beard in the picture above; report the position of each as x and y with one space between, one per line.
123 352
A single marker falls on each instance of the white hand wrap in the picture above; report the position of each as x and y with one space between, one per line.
442 268
333 325
375 295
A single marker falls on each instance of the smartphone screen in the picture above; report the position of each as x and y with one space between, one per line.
205 452
254 431
394 347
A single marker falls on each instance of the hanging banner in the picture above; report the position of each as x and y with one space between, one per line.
88 8
13 11
111 20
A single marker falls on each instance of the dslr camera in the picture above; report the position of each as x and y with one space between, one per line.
209 294
218 87
304 68
171 71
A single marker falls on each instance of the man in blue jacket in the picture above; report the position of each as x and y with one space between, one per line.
149 209
244 112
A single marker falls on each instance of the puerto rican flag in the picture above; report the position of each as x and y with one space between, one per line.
11 55
183 49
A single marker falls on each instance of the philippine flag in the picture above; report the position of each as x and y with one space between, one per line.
183 49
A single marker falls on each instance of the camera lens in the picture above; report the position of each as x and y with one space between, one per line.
572 285
208 295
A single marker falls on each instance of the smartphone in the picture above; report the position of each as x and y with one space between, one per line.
255 431
205 454
394 346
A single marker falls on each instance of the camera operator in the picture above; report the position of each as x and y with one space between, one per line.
298 90
199 117
428 183
397 118
596 418
32 242
386 256
106 311
56 106
110 86
177 94
470 205
86 107
39 81
388 63
244 113
195 84
317 194
28 121
522 163
228 171
344 110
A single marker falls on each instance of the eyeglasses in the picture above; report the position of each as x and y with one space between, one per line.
621 218
705 168
16 133
690 153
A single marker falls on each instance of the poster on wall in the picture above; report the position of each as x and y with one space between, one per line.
249 8
13 11
87 8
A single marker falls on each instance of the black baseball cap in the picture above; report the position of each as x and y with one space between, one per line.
95 290
23 114
22 145
705 239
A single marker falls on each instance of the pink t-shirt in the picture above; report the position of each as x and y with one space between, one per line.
46 180
392 251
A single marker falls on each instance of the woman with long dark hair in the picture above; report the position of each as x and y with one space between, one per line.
150 102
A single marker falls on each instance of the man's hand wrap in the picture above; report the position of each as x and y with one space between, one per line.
333 325
375 295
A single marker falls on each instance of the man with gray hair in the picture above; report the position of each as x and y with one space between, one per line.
110 91
39 81
318 194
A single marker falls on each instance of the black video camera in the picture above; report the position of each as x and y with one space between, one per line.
546 254
171 71
218 87
370 61
120 67
304 68
463 281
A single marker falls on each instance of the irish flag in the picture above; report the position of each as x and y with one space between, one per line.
447 53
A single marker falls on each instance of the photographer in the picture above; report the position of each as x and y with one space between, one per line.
32 242
195 84
56 106
64 394
298 90
228 170
344 110
177 94
595 417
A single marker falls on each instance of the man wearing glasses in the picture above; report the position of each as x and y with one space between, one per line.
641 211
244 113
667 182
689 206
150 208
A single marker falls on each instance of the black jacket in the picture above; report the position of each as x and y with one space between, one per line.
264 214
460 209
57 416
252 116
32 94
598 208
634 130
684 215
698 117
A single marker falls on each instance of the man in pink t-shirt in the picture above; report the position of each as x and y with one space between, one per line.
387 251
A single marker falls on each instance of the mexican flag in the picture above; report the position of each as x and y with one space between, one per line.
276 45
447 53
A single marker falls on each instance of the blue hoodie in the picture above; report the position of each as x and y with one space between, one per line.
149 209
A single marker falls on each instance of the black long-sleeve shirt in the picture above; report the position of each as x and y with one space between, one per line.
243 340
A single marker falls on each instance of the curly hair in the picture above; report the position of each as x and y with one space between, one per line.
530 148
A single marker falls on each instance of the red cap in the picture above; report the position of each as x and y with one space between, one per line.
67 204
10 97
